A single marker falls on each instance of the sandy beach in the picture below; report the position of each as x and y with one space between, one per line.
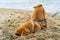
10 19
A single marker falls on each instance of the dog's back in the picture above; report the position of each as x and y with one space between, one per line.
38 13
39 16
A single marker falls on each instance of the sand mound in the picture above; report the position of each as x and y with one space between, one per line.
10 19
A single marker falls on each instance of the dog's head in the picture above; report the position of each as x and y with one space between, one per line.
37 5
37 8
21 31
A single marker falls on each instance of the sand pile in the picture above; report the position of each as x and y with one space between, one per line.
10 19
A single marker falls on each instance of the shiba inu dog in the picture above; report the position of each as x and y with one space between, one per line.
38 15
27 28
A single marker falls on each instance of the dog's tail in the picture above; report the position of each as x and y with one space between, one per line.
55 14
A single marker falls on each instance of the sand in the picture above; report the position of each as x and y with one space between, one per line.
10 19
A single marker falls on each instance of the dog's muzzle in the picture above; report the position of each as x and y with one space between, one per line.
17 34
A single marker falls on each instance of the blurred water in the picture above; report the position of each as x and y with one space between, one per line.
49 5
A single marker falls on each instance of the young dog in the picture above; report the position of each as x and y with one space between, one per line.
27 28
38 15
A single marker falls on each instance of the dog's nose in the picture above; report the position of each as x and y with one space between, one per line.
17 34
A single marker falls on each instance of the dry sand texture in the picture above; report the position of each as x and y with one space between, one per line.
10 19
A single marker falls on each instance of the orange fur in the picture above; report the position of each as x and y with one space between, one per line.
26 28
39 14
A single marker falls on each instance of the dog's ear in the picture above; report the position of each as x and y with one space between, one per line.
25 32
